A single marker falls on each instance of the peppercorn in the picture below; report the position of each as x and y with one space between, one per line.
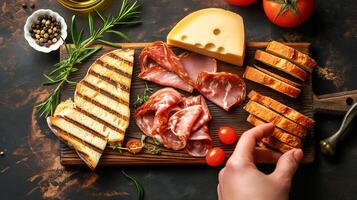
32 6
24 6
45 35
46 30
54 40
37 36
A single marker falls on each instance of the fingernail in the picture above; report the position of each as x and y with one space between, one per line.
298 154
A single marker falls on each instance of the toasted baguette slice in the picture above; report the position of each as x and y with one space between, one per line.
80 132
272 142
268 115
293 55
278 77
279 134
280 64
280 108
265 79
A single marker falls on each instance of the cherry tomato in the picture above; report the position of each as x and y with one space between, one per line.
290 13
134 145
227 135
215 157
240 2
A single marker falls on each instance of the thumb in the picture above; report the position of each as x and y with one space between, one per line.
287 165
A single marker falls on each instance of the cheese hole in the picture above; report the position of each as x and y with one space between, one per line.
184 37
198 45
220 49
216 31
210 46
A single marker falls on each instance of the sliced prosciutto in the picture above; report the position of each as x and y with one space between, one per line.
205 115
199 142
224 89
153 114
195 63
180 127
158 54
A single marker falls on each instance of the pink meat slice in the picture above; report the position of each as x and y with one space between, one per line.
205 115
159 54
164 77
180 126
199 142
224 89
153 114
195 63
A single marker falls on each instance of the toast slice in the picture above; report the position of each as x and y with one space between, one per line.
291 54
280 64
77 130
260 77
272 142
282 109
278 77
279 134
268 115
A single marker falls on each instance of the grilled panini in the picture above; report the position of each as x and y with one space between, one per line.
100 113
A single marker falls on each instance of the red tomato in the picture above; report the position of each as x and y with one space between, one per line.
134 146
283 14
215 157
227 135
240 2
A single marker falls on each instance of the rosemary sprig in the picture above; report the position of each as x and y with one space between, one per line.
81 50
138 186
140 99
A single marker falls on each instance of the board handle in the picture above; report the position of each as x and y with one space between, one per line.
335 103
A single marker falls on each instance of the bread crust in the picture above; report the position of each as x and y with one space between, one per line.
272 142
258 76
282 109
279 134
278 77
280 64
280 121
291 54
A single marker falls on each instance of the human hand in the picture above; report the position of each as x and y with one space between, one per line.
240 179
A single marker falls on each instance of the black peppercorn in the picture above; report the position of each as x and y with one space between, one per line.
45 16
32 6
24 6
38 22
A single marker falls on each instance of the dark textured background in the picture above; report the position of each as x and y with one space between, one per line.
30 168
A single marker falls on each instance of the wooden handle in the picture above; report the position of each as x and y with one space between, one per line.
335 103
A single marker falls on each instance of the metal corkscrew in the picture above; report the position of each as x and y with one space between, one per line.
328 145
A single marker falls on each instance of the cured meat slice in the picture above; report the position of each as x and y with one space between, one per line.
164 77
195 63
179 127
152 115
223 89
199 142
205 115
159 54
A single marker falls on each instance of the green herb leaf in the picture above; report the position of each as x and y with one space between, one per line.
109 43
74 29
138 186
90 24
120 34
80 38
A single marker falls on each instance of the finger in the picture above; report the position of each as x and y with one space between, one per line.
220 175
287 165
247 143
219 191
264 155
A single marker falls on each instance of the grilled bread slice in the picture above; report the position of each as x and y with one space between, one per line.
280 121
282 109
280 64
278 77
84 134
272 142
291 54
279 134
105 92
258 76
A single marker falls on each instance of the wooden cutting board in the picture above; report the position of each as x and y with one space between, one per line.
235 118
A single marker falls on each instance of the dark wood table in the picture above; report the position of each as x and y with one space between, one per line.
30 168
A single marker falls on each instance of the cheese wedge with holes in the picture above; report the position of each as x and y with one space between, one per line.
212 32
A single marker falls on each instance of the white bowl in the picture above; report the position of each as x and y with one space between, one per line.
32 19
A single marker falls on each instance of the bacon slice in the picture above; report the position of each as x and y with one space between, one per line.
195 63
159 54
199 142
224 89
179 127
205 115
152 115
